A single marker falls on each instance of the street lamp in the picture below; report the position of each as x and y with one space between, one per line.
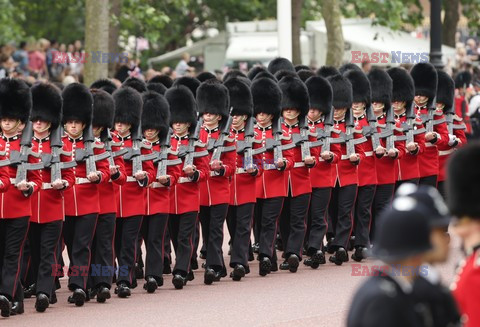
436 33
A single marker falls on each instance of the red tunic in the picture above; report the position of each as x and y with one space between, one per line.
444 152
131 196
4 172
83 199
321 174
216 189
297 179
271 183
243 185
385 165
345 171
466 289
47 204
428 161
107 192
185 196
407 167
461 113
367 173
158 196
13 203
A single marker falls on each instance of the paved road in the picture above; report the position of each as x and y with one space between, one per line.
307 298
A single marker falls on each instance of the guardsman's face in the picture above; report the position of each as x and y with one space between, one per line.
150 134
211 119
237 120
290 113
40 126
420 99
399 107
74 127
122 128
263 118
9 124
180 128
314 114
378 108
97 131
358 109
339 113
440 106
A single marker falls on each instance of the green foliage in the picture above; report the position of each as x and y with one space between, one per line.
10 22
471 10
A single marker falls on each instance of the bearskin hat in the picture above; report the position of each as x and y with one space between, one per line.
128 106
403 88
155 113
254 71
304 74
104 84
190 82
320 93
163 79
265 74
425 79
360 86
342 91
203 76
280 63
463 79
103 109
245 80
349 66
294 95
212 97
157 87
302 67
282 73
240 96
326 71
463 182
15 99
77 103
135 83
233 73
381 85
182 105
46 104
267 97
445 90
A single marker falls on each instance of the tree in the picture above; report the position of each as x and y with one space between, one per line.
450 21
96 40
12 18
113 32
332 16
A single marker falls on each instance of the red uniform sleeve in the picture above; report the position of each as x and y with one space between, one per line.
174 172
34 175
67 174
4 178
229 160
202 164
400 145
359 148
420 140
122 178
442 130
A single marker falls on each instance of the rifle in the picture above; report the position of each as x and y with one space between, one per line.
245 146
428 119
134 153
276 143
53 160
302 138
371 130
87 154
348 137
390 122
20 158
218 147
325 134
193 140
4 162
162 158
409 126
107 140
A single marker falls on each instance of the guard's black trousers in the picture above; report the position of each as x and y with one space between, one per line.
154 229
270 210
340 212
182 233
441 189
127 232
293 221
382 201
429 180
363 214
103 259
212 220
44 264
13 234
78 232
318 218
241 217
